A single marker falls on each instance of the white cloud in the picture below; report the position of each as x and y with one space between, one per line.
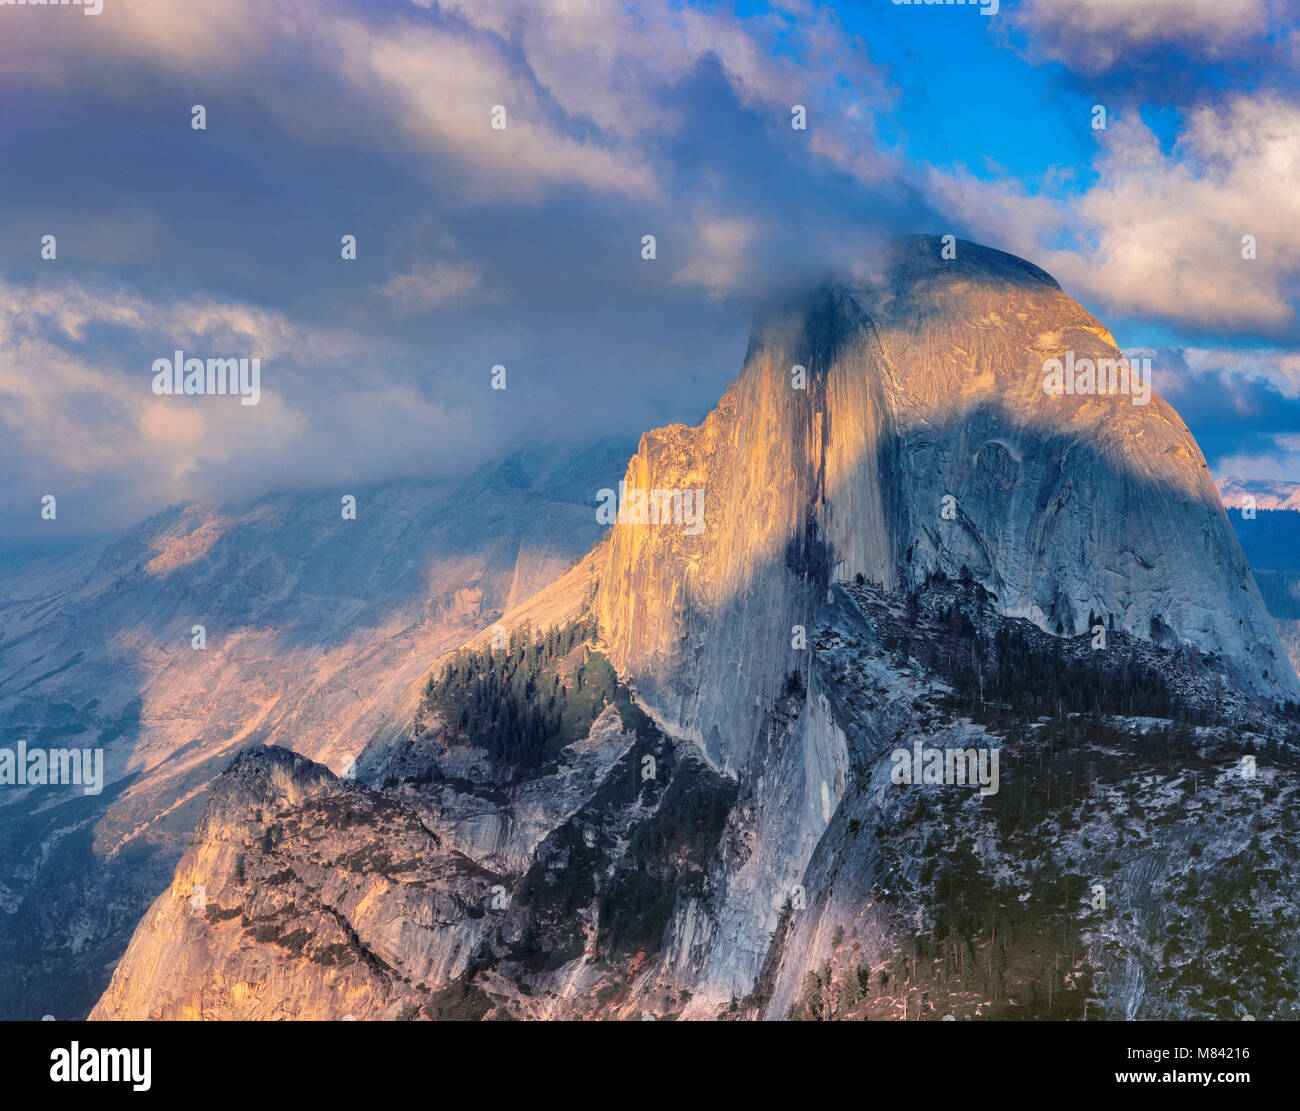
439 87
721 259
425 287
1279 368
588 85
1094 35
87 415
78 413
1161 233
1283 464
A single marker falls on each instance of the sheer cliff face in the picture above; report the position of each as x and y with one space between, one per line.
924 439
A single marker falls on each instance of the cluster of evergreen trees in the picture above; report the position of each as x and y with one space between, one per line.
512 701
1020 672
1032 677
985 947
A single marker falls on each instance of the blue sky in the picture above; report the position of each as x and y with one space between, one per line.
965 98
522 247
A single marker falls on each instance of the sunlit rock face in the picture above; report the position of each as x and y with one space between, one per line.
261 885
924 439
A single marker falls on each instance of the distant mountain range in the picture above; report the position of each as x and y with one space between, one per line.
1271 540
1268 493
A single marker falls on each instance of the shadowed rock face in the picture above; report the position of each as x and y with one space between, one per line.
1158 814
924 381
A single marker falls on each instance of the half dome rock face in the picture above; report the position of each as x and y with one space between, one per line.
591 865
910 422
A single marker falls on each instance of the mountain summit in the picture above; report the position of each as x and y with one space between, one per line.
923 440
